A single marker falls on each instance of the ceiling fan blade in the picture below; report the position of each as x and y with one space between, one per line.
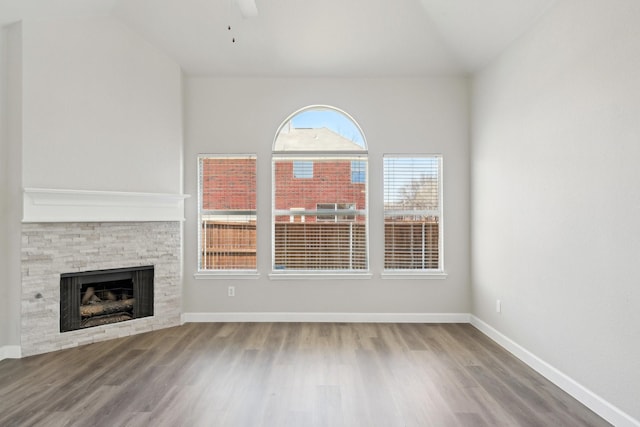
248 8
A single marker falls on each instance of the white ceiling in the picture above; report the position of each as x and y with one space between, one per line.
342 38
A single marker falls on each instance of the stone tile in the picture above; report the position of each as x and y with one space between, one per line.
50 249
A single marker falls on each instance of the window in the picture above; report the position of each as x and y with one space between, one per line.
320 222
413 213
302 169
358 175
227 212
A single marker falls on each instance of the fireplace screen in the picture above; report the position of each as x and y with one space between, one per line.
94 298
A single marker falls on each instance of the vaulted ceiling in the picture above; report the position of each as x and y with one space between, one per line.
311 38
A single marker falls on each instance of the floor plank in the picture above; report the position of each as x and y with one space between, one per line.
280 374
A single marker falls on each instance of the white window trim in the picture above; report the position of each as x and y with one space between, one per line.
303 155
414 274
438 273
221 273
329 275
319 274
226 274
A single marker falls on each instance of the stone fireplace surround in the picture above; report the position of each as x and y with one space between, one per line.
68 243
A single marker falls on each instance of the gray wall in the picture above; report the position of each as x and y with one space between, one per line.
10 189
428 115
555 195
4 163
102 109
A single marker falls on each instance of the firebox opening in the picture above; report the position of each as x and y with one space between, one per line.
95 298
106 302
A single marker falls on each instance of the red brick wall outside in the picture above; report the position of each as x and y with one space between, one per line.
331 183
229 184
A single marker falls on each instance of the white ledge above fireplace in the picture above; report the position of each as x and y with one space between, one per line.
60 205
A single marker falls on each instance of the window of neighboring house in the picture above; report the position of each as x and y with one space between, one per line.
314 229
413 213
302 169
358 174
227 212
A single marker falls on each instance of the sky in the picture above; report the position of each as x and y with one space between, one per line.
330 119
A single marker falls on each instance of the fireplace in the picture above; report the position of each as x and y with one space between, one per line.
49 249
100 297
70 231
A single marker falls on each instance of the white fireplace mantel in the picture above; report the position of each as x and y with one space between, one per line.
61 205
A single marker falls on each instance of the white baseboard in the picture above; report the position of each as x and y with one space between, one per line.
591 400
10 352
328 317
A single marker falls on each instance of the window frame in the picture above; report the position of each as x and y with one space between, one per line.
432 273
358 153
320 156
202 273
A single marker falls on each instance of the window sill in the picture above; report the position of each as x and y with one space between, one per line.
319 276
215 275
414 275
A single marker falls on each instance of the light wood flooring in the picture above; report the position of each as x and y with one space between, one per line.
286 374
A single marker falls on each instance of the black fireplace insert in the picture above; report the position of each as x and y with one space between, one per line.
100 297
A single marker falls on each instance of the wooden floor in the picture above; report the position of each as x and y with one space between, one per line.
286 374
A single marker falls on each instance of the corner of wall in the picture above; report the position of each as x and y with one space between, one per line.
3 190
10 191
581 393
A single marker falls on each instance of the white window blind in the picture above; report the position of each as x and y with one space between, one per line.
412 213
227 212
319 223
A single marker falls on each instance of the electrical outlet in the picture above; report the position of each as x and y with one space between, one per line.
231 291
498 306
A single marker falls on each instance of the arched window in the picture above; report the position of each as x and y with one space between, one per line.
320 193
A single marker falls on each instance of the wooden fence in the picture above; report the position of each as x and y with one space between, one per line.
320 246
228 245
411 245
